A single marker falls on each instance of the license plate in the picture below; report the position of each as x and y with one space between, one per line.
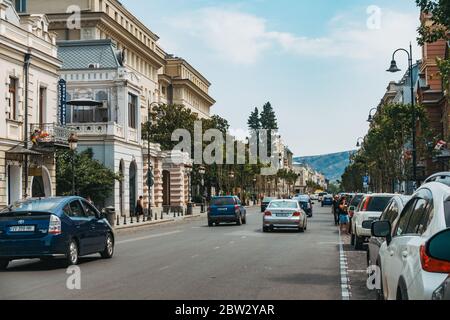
222 209
283 215
21 229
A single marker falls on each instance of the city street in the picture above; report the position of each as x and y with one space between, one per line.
188 260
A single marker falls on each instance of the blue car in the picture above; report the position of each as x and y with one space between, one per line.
47 228
226 209
327 201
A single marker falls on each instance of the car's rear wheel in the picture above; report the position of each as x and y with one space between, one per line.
4 264
266 229
109 247
72 253
244 221
359 241
210 224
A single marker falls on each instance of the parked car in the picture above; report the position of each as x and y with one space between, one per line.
265 203
321 195
370 208
391 214
226 209
438 249
306 204
284 214
47 228
442 177
414 261
314 197
353 204
327 200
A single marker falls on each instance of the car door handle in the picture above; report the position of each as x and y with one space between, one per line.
391 253
405 254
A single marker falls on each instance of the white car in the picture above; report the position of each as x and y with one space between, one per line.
369 209
314 197
408 270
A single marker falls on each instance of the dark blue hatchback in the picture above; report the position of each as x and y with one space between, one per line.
66 227
226 209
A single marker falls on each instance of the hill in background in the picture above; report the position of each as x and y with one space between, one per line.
331 165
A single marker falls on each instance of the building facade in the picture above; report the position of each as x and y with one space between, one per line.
29 131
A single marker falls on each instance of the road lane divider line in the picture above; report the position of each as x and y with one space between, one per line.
345 281
148 237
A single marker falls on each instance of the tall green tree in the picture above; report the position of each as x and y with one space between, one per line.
270 123
92 178
254 125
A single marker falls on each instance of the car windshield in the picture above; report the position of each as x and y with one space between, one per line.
302 199
376 204
222 201
283 205
267 200
37 205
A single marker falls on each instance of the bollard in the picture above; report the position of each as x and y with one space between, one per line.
118 221
131 219
156 216
162 215
124 220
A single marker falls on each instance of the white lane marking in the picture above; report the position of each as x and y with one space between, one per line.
345 282
195 256
149 237
216 248
164 268
232 242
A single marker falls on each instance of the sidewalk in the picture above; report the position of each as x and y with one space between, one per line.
129 223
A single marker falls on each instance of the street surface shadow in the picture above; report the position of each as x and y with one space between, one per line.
308 279
38 265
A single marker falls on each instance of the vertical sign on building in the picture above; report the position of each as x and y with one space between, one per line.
62 101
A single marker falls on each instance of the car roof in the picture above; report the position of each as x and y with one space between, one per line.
60 202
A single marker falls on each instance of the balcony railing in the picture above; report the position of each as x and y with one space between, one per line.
49 135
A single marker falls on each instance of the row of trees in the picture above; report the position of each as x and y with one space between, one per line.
385 155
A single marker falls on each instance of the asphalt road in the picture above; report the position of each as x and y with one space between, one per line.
188 260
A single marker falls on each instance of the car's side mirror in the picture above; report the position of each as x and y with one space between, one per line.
438 246
352 208
382 229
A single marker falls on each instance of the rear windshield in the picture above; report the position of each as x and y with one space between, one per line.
222 201
44 205
376 204
356 200
302 199
447 212
268 199
283 205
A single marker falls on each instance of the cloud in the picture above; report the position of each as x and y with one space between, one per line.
243 38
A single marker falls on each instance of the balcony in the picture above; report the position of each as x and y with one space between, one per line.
98 129
49 136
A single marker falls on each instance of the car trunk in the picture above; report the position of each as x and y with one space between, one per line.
24 225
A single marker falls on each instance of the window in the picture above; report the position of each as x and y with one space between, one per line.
404 219
88 114
76 209
132 110
21 6
447 212
13 98
90 211
42 104
417 216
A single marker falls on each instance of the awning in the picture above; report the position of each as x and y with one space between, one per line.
84 103
20 150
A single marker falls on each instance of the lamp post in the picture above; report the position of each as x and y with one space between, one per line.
370 119
231 176
202 172
73 144
150 181
393 68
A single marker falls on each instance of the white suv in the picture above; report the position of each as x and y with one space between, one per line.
409 270
369 209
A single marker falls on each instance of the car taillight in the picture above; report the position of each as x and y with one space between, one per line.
366 204
268 214
297 214
432 265
54 226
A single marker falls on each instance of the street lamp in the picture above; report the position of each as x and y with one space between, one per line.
202 172
73 144
394 68
370 119
150 181
231 176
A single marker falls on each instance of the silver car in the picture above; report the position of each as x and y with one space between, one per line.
284 214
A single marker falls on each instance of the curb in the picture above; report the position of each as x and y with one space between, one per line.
154 223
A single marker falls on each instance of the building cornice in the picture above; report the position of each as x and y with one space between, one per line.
197 90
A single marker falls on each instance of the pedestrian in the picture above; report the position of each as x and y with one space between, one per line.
139 211
343 216
336 210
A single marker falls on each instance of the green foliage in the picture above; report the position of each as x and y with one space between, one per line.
383 154
268 118
91 177
254 122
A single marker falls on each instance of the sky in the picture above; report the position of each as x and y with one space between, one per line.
320 63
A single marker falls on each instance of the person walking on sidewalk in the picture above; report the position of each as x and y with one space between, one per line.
343 216
336 210
139 211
